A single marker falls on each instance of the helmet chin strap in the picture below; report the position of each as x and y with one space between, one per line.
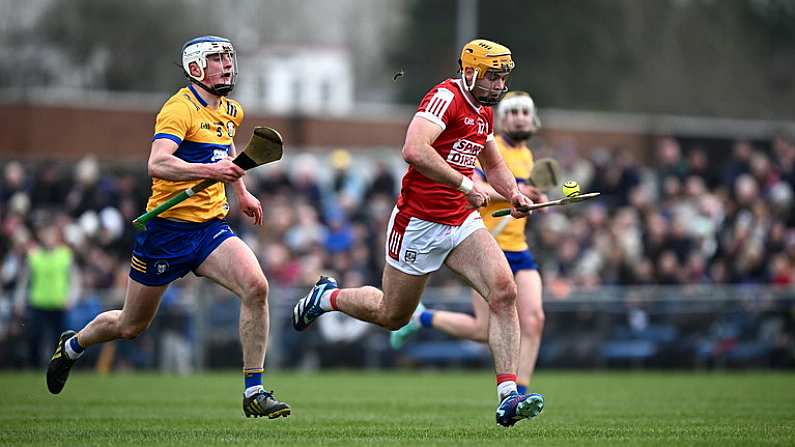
474 79
471 88
217 90
223 89
520 135
487 100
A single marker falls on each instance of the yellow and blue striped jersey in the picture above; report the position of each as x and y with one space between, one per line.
203 135
520 161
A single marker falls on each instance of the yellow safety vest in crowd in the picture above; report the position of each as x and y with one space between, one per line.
50 272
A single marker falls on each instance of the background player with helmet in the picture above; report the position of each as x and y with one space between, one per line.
517 122
434 222
192 141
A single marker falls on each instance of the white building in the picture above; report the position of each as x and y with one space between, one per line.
297 79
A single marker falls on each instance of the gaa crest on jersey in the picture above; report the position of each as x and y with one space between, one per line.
161 267
483 128
230 128
219 154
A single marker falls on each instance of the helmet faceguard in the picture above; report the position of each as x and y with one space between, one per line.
196 51
489 62
483 88
522 105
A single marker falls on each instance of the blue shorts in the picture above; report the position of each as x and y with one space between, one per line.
521 260
168 250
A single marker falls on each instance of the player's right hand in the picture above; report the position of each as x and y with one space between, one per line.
226 171
477 197
518 202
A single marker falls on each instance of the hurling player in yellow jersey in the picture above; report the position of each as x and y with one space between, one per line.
517 122
192 141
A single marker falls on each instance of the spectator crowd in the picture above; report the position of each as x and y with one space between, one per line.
680 215
683 217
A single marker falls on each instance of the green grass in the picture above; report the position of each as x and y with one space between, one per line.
385 409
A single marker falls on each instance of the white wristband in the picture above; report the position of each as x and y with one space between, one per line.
466 185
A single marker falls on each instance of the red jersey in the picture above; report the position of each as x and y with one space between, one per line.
466 126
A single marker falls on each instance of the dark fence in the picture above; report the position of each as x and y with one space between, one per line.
607 327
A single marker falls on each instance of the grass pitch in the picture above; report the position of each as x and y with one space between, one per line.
401 409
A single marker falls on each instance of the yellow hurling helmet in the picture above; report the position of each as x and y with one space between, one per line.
485 56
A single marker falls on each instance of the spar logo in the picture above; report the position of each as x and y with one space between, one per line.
464 153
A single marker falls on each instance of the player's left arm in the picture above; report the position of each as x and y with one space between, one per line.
501 178
480 179
525 188
249 205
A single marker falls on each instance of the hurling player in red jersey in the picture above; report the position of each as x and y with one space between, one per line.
436 221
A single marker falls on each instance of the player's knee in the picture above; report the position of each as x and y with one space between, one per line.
133 330
503 295
255 291
532 324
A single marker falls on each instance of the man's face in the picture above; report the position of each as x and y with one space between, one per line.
492 86
220 68
519 119
49 236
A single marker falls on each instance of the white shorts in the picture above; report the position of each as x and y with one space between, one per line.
416 247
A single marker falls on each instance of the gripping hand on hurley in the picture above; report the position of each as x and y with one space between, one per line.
475 194
520 202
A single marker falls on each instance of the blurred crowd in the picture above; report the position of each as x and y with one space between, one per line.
684 217
680 215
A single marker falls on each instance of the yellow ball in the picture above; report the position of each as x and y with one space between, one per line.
571 188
